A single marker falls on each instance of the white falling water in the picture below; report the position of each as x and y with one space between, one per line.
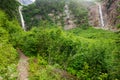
67 11
101 15
21 17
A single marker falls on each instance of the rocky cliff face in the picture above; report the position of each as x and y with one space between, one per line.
110 12
111 9
94 16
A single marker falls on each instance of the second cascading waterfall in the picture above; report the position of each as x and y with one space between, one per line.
22 19
101 15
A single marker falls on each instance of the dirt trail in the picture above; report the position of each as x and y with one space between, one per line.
22 66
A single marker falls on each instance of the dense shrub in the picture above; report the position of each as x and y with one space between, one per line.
8 57
8 54
86 55
80 12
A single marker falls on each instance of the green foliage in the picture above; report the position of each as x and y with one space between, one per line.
11 27
3 35
8 55
8 61
40 10
79 10
92 33
10 7
118 25
2 17
39 70
88 54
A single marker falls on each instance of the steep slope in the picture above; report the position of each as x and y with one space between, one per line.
112 9
110 13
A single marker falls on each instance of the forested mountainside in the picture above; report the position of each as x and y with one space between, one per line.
59 43
55 12
44 10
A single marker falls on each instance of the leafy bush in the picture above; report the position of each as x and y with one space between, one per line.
8 61
80 12
39 70
8 55
10 7
87 55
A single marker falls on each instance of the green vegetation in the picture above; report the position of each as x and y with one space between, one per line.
8 54
56 54
39 70
10 7
80 12
44 10
90 55
53 11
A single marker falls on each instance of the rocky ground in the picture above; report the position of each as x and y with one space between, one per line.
22 66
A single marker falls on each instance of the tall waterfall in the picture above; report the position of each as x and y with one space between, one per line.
101 15
25 3
22 19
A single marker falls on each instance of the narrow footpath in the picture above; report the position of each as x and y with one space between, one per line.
22 66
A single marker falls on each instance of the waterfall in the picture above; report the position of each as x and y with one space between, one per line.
101 15
22 19
67 11
69 23
25 3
